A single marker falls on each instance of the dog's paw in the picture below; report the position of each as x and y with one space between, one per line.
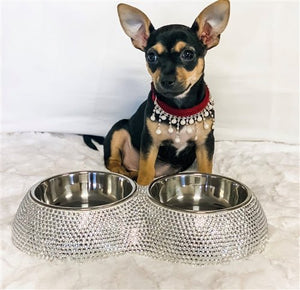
133 175
120 169
144 180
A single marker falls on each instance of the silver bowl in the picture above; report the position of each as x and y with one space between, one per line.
203 219
77 215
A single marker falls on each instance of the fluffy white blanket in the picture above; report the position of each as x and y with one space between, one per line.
271 170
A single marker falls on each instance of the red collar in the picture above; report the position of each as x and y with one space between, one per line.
181 112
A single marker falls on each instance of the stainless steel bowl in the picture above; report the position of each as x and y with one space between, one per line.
199 193
82 190
204 219
76 215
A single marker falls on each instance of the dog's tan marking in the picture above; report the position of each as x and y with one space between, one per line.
159 48
204 164
201 132
154 75
115 162
179 46
147 166
189 78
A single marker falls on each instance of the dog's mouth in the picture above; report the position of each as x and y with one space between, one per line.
176 91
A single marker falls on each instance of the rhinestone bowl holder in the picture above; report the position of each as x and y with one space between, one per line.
141 226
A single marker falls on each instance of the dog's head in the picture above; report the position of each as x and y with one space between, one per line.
175 53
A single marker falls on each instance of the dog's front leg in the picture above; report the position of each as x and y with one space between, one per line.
204 161
147 165
205 148
150 143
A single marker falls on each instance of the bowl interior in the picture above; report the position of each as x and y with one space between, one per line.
198 192
83 190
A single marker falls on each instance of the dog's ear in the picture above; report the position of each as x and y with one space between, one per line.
135 24
211 22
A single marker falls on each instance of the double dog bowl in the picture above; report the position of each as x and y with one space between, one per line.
190 217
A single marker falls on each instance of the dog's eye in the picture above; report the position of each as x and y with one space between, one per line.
187 55
152 57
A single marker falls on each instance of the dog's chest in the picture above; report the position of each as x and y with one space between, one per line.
196 133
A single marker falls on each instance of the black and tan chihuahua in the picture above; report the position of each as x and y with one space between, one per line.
174 126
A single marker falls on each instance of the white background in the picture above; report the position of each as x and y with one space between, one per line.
67 66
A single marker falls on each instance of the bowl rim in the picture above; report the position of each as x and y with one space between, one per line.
249 197
132 193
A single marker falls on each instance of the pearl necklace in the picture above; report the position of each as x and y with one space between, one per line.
182 118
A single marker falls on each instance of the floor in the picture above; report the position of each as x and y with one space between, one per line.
271 170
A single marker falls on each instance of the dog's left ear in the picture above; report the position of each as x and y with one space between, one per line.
211 22
135 24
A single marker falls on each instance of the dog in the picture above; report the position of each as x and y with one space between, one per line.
175 125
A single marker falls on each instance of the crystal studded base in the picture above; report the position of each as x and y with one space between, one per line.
140 224
206 239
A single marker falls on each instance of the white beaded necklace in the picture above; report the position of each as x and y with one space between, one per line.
182 117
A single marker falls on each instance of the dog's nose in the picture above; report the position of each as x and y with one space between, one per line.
167 82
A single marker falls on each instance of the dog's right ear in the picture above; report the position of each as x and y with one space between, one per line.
135 24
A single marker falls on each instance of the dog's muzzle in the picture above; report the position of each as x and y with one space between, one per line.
169 86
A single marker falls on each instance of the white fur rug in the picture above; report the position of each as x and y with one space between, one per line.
271 170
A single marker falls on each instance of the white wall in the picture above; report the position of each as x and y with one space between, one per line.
67 66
